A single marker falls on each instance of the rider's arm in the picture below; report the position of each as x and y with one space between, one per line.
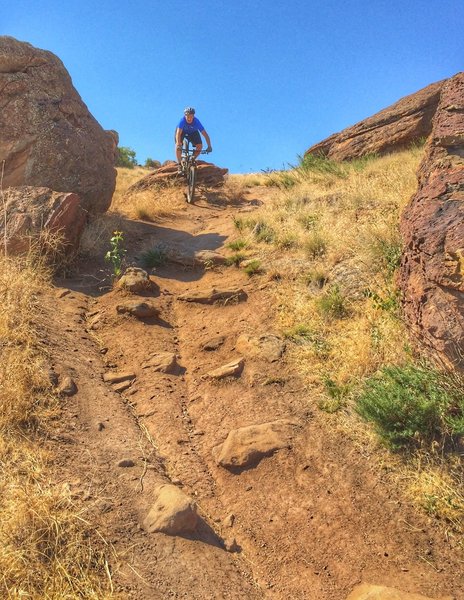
178 137
204 133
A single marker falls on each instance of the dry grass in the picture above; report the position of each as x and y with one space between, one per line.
331 239
147 205
45 545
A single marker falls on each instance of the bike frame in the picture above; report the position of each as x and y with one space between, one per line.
189 167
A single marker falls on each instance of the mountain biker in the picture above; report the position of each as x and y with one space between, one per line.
190 127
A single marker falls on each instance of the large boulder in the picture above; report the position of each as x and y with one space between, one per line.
393 128
32 210
48 138
208 175
432 227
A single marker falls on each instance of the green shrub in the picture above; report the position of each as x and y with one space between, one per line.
412 404
253 268
155 257
235 259
315 245
332 304
264 232
308 221
126 157
320 164
337 395
237 244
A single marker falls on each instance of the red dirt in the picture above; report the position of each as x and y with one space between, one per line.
310 522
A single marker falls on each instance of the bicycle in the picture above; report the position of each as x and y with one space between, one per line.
189 167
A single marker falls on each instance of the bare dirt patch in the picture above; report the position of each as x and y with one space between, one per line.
309 519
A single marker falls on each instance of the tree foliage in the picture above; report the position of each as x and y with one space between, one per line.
126 157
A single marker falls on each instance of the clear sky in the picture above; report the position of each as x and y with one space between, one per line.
268 78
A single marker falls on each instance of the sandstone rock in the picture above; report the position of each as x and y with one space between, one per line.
118 377
173 512
268 346
213 295
190 257
33 210
393 128
67 386
141 310
135 280
126 463
379 592
214 343
48 138
432 227
163 362
229 370
246 446
208 175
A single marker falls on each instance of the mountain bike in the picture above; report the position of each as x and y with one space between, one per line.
189 167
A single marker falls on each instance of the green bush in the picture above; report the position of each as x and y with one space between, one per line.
320 164
126 157
412 404
332 304
235 259
154 257
237 244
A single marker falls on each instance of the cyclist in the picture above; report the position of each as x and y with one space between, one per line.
190 127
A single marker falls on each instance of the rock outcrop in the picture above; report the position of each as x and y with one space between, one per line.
391 129
32 210
432 227
48 138
208 175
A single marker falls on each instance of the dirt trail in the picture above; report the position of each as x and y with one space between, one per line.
310 521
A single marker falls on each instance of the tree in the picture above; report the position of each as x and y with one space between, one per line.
150 163
126 157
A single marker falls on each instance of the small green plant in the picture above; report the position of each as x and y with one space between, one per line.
154 257
235 259
242 224
332 304
337 395
287 241
116 254
308 221
315 245
264 232
316 278
253 268
320 164
237 244
388 253
390 302
300 334
411 404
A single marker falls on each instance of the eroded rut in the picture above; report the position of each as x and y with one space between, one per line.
309 519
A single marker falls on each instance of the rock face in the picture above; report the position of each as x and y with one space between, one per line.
48 138
432 227
33 209
207 174
393 128
173 512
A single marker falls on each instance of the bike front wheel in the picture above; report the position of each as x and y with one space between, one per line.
191 180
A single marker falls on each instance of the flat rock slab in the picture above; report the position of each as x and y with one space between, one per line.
229 370
269 346
213 295
246 446
173 512
163 362
141 310
379 592
118 377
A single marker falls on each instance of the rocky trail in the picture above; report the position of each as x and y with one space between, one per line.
196 451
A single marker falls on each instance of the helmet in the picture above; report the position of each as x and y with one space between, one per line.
189 111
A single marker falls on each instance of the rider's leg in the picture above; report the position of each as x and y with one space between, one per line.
198 148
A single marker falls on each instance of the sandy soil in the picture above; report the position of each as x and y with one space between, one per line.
310 522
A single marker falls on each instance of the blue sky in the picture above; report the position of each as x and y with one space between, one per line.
268 78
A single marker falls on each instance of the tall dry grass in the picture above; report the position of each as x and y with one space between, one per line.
330 237
46 546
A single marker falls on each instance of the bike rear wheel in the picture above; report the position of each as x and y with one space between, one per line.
191 180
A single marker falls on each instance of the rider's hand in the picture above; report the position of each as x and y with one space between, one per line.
209 149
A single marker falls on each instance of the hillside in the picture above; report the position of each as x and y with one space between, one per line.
297 289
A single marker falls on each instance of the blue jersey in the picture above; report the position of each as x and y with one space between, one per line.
189 128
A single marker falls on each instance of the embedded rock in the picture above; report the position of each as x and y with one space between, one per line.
432 227
268 346
32 210
379 592
163 362
229 370
135 280
173 512
208 175
213 295
140 310
393 128
48 138
246 446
